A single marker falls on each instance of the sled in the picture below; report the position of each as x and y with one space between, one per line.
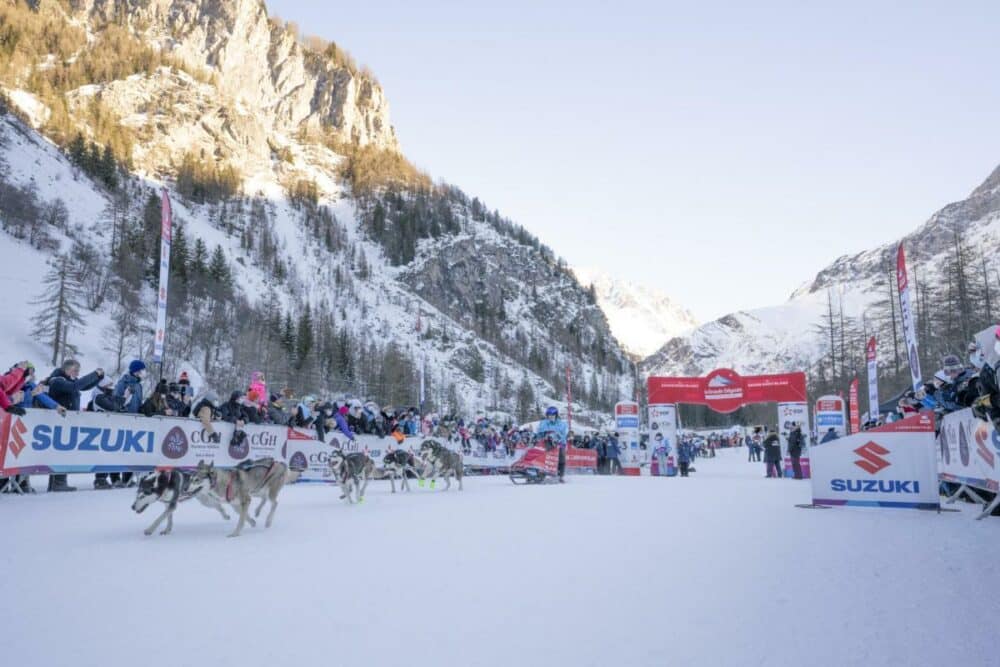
539 464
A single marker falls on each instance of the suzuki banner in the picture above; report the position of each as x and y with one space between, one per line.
906 313
41 442
871 354
663 439
890 466
969 451
724 390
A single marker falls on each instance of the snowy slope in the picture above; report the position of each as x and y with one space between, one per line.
640 317
781 337
717 569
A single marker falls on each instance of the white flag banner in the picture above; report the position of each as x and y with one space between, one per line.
166 230
906 310
872 356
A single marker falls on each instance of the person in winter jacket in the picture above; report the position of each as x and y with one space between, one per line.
156 404
685 452
795 442
65 386
829 436
772 453
397 434
558 430
128 391
340 417
613 451
28 395
10 387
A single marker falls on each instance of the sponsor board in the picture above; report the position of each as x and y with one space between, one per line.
968 451
891 466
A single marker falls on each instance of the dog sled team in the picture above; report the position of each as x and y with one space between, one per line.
264 478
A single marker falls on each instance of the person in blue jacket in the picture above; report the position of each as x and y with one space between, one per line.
614 466
685 452
340 417
129 388
558 429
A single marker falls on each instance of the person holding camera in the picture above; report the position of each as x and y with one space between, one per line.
65 386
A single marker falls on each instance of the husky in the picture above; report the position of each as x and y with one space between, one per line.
263 478
439 459
172 487
400 462
353 472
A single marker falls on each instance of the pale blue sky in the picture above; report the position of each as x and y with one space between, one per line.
720 152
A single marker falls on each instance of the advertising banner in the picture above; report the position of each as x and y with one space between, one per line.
724 390
890 466
830 414
42 442
627 426
906 313
871 354
969 451
855 410
166 232
663 439
788 414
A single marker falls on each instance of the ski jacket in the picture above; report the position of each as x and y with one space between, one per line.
557 428
10 383
131 385
66 391
795 442
772 448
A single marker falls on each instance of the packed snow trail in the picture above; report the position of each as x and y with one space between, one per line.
716 569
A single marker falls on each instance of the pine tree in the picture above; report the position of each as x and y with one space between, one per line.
59 303
77 150
218 271
305 338
107 168
180 256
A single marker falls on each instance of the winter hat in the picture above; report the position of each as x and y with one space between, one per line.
183 378
136 366
343 409
253 396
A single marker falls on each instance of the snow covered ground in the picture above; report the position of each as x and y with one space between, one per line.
716 569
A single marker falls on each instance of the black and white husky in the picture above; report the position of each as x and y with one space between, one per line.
438 459
353 472
172 487
400 462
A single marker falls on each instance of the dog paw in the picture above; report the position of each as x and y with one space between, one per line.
147 533
233 535
164 532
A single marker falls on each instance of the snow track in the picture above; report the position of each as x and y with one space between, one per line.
716 569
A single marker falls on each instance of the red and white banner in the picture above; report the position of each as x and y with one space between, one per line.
830 413
855 412
724 390
906 312
871 355
890 466
969 451
166 233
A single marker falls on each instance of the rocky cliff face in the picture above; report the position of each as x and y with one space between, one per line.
260 66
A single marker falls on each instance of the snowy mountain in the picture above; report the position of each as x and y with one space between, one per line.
641 318
784 337
335 266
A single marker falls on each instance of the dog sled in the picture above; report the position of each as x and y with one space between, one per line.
539 464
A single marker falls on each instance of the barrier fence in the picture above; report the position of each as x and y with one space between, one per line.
41 442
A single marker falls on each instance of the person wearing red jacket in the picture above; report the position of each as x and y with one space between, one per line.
10 385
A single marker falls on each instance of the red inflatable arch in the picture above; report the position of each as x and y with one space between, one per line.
724 390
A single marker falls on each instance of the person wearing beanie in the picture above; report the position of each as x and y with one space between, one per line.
128 391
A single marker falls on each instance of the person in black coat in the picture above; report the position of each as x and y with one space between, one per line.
65 386
795 442
772 453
